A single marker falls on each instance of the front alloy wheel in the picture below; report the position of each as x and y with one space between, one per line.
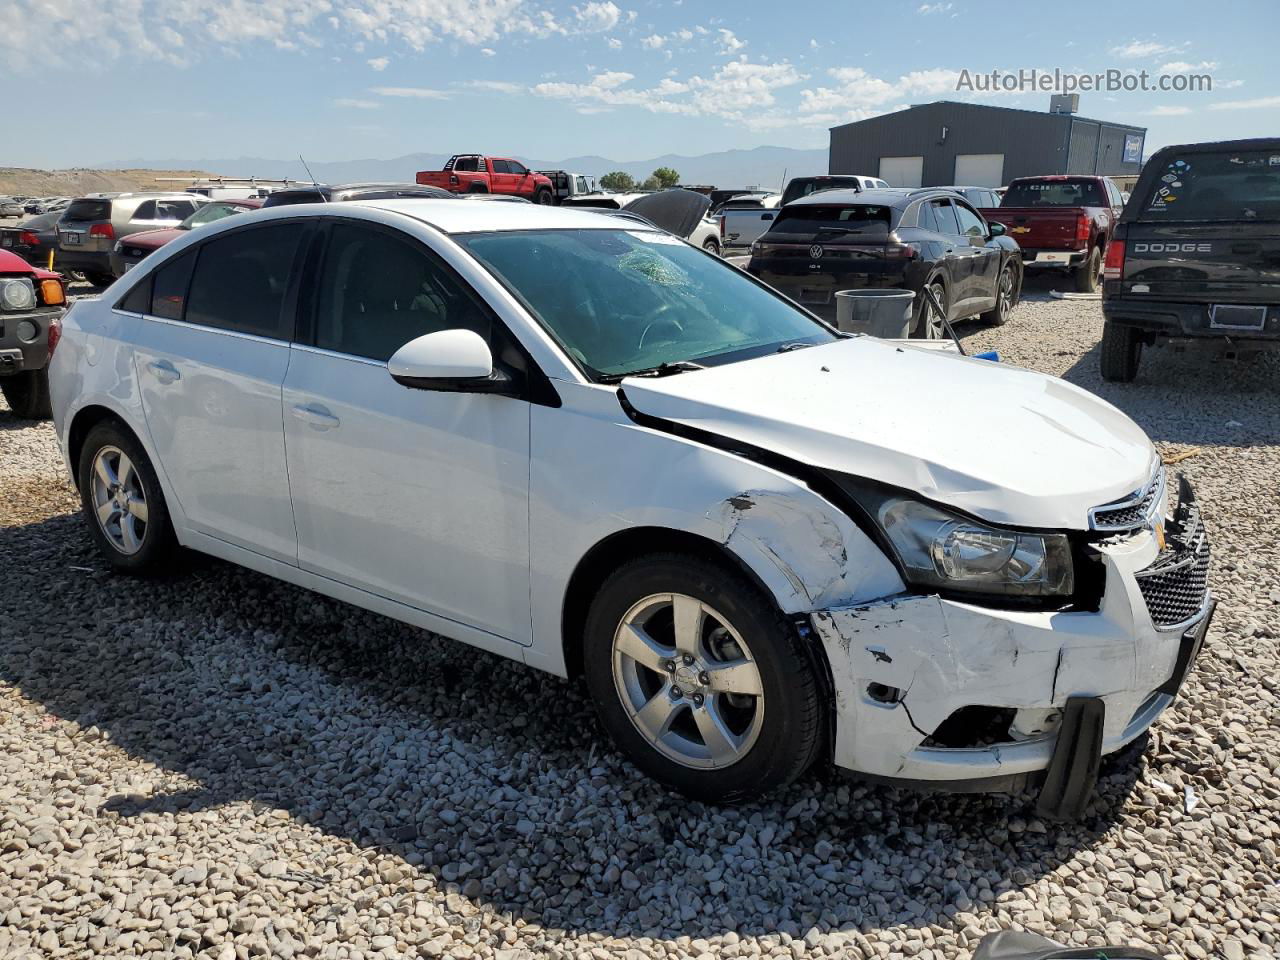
700 680
687 681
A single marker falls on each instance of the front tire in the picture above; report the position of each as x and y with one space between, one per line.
1089 273
27 394
100 279
123 502
1121 353
1006 298
700 680
711 246
542 196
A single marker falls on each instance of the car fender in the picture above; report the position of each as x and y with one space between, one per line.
806 552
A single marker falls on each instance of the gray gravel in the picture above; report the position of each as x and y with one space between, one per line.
218 765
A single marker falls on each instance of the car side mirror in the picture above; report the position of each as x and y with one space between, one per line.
451 360
995 230
1124 198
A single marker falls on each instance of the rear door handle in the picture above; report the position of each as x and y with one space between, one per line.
164 371
316 415
766 216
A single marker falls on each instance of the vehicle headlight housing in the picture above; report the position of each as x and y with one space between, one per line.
943 551
17 293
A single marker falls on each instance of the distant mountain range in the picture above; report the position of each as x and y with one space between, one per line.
761 166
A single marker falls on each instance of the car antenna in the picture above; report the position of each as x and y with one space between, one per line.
323 198
783 186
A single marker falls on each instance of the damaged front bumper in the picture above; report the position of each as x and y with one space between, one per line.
948 694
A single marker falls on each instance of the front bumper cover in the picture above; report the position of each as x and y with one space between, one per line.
18 355
903 665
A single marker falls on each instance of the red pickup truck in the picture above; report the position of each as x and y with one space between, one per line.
473 173
32 302
1063 222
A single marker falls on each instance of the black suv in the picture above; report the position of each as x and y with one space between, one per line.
1194 255
324 193
891 238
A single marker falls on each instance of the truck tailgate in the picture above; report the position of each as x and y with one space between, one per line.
1041 228
1204 262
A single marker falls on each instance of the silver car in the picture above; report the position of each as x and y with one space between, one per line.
90 226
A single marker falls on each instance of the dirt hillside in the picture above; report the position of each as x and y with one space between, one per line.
27 182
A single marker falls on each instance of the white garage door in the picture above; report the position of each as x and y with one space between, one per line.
979 170
902 171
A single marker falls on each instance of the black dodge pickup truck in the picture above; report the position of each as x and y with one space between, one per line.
1196 255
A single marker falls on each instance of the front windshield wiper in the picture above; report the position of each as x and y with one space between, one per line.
665 369
795 345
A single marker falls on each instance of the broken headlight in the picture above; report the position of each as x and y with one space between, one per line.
944 551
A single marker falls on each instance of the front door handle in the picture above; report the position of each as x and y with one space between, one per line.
316 415
164 371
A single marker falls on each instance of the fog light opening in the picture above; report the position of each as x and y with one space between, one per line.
881 693
974 727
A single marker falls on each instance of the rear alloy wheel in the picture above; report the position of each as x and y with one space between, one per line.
123 502
1089 274
929 322
1121 352
699 679
27 394
711 246
1005 293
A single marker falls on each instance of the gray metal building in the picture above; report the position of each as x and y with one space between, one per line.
969 144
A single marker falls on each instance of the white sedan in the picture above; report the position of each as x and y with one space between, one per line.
582 443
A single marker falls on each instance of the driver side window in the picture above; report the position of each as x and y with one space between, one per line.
377 292
971 224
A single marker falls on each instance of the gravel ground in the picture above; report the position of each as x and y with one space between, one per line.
219 765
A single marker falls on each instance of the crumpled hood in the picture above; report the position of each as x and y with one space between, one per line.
1008 445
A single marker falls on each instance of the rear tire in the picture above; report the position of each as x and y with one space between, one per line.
100 279
763 722
928 325
27 394
711 247
1006 298
123 503
1089 273
477 188
1121 353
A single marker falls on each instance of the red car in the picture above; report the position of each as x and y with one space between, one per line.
135 246
32 302
1061 222
472 173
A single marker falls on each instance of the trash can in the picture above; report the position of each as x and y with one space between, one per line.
879 313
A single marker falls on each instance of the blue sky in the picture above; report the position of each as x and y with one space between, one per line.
343 79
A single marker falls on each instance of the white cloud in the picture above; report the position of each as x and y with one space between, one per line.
614 43
684 35
597 17
379 63
1168 111
356 104
496 86
1141 49
928 8
1262 103
653 42
1181 66
489 51
419 93
729 42
858 94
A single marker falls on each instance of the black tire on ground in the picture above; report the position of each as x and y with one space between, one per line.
100 279
477 187
921 329
794 709
711 246
543 196
1121 352
159 545
1087 275
1006 297
27 394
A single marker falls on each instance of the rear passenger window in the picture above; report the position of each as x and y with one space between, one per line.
946 216
137 300
169 288
377 292
146 211
500 166
240 280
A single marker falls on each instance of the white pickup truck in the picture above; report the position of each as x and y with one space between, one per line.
743 220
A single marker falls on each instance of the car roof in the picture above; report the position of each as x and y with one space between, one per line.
877 196
453 217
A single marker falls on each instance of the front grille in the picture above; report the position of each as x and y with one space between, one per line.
1132 512
1176 585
